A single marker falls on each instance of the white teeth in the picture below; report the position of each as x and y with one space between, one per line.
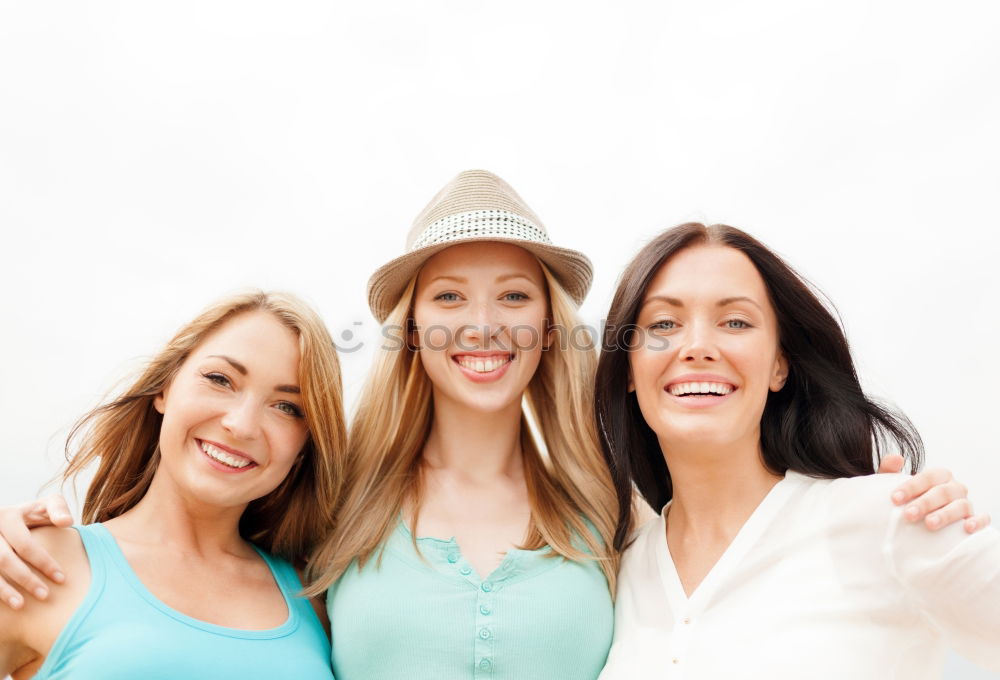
681 389
218 454
483 365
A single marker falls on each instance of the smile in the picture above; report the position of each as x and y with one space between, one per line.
483 364
225 459
700 389
483 368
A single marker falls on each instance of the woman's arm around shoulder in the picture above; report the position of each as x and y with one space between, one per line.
27 634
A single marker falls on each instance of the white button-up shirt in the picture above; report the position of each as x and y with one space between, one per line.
825 580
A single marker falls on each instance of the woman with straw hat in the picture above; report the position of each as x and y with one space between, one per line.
447 557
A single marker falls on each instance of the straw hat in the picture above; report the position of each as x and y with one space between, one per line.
475 206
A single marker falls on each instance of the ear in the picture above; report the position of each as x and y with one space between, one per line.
158 402
780 373
631 381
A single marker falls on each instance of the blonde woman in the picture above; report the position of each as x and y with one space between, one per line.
215 469
447 560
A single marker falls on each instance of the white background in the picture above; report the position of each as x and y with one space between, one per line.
154 156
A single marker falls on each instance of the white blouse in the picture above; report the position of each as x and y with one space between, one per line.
825 580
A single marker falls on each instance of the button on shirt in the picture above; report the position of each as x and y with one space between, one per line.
824 580
429 615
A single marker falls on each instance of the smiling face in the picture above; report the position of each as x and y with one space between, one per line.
480 311
706 352
233 422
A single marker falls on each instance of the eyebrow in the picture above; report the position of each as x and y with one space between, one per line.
676 302
289 389
499 279
739 298
235 364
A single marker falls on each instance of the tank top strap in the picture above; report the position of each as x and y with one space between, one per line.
288 581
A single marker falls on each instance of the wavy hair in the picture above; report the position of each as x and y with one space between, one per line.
122 436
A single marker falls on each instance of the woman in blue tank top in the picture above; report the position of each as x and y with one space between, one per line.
216 468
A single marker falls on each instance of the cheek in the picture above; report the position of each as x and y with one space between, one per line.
288 441
526 338
434 338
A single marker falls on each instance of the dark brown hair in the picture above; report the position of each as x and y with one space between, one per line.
820 423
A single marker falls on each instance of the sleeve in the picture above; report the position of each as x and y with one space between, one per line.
954 579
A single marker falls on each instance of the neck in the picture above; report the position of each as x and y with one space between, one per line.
715 488
475 444
167 517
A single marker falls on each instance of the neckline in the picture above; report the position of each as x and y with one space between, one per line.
449 552
745 538
121 562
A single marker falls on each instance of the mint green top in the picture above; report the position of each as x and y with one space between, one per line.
535 617
122 631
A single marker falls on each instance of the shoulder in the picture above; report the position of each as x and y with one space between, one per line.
38 622
640 554
863 499
65 545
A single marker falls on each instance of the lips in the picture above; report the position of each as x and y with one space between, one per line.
225 458
700 389
483 367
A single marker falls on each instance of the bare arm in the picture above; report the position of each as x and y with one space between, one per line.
18 549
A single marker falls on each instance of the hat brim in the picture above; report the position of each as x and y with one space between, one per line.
571 268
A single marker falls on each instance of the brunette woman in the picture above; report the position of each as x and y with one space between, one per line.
727 395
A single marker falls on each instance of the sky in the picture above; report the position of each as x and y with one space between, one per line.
156 156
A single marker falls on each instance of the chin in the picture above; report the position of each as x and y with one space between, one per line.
697 434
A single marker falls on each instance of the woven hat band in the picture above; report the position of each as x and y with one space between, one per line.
480 224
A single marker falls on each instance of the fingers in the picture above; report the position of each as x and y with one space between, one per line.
974 524
14 569
49 511
918 485
949 514
10 596
891 463
18 546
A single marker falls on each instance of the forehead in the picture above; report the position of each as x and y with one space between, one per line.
481 262
258 340
710 273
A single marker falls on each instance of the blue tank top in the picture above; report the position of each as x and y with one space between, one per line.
121 630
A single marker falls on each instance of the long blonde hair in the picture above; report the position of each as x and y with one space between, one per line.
568 486
122 435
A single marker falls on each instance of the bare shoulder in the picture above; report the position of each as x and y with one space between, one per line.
66 546
26 633
63 544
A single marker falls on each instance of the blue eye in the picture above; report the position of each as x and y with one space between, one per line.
291 409
217 379
447 297
737 324
664 325
515 297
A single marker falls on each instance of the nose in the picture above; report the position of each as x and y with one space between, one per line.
698 344
481 329
242 419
